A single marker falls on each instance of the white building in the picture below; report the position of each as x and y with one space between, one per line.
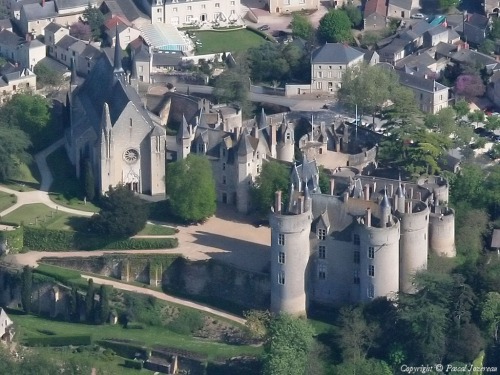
26 53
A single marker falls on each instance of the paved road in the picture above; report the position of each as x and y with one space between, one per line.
166 297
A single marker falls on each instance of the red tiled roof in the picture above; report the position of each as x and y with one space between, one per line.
375 6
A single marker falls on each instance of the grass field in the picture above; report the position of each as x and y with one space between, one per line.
6 200
155 230
66 189
27 179
39 214
31 326
226 41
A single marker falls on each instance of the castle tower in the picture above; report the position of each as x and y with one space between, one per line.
379 254
442 231
244 178
285 148
413 247
290 252
183 140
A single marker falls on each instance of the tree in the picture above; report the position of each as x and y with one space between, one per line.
257 323
232 86
267 62
26 288
461 108
495 29
123 214
492 123
47 76
274 176
95 19
74 305
287 347
477 116
28 112
469 86
363 367
487 47
302 27
370 39
442 122
191 188
490 313
103 304
14 144
80 30
354 14
335 26
90 302
89 180
447 4
464 344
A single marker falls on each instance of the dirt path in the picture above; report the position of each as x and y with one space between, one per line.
166 297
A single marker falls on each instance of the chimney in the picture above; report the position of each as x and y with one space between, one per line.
346 197
419 195
367 192
332 186
411 193
300 204
391 190
43 3
368 217
374 186
277 202
409 208
272 130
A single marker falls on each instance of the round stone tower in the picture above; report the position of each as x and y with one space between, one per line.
414 221
442 231
290 252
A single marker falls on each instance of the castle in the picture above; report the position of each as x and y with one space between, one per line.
365 238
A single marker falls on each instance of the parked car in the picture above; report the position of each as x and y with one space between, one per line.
264 27
417 16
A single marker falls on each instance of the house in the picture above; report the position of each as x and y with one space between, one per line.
421 64
431 96
126 10
27 53
394 51
6 327
400 8
445 50
436 35
127 33
65 48
474 59
476 28
493 88
328 64
289 6
33 17
15 79
374 15
491 7
202 12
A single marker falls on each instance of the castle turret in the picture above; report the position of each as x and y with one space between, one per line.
285 148
245 165
400 198
118 71
183 139
442 231
290 252
384 210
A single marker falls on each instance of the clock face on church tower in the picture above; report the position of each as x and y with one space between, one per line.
131 156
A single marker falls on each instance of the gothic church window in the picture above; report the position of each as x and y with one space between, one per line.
131 156
322 252
281 239
281 257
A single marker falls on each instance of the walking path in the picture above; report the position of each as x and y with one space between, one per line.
166 297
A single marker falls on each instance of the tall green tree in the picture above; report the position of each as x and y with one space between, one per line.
288 345
90 302
233 86
302 27
495 29
104 304
26 288
29 112
14 144
447 4
95 19
274 176
267 62
490 313
335 26
461 108
354 14
191 188
47 76
123 214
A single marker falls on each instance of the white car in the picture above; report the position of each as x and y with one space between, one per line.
418 16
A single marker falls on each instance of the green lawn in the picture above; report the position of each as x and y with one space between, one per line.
28 178
66 189
39 214
155 230
31 326
226 41
6 200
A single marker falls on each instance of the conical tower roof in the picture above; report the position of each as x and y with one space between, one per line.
244 146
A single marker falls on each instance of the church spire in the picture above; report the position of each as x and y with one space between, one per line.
118 71
72 81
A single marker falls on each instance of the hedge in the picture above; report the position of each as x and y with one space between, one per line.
76 340
132 363
266 36
43 239
14 239
125 349
62 275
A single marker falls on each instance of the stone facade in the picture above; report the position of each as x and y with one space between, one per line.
364 239
288 6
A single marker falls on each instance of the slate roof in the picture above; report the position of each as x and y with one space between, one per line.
375 6
126 8
405 4
473 57
335 53
66 41
52 27
166 59
69 4
244 146
477 20
6 24
423 59
437 30
420 83
10 39
445 49
495 239
141 50
36 11
395 46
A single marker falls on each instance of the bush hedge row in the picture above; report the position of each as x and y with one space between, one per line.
43 239
125 349
13 239
132 363
62 275
76 340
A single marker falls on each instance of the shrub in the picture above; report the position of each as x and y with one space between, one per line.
132 363
188 321
13 238
135 326
76 340
125 349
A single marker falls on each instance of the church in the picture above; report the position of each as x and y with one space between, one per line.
110 128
